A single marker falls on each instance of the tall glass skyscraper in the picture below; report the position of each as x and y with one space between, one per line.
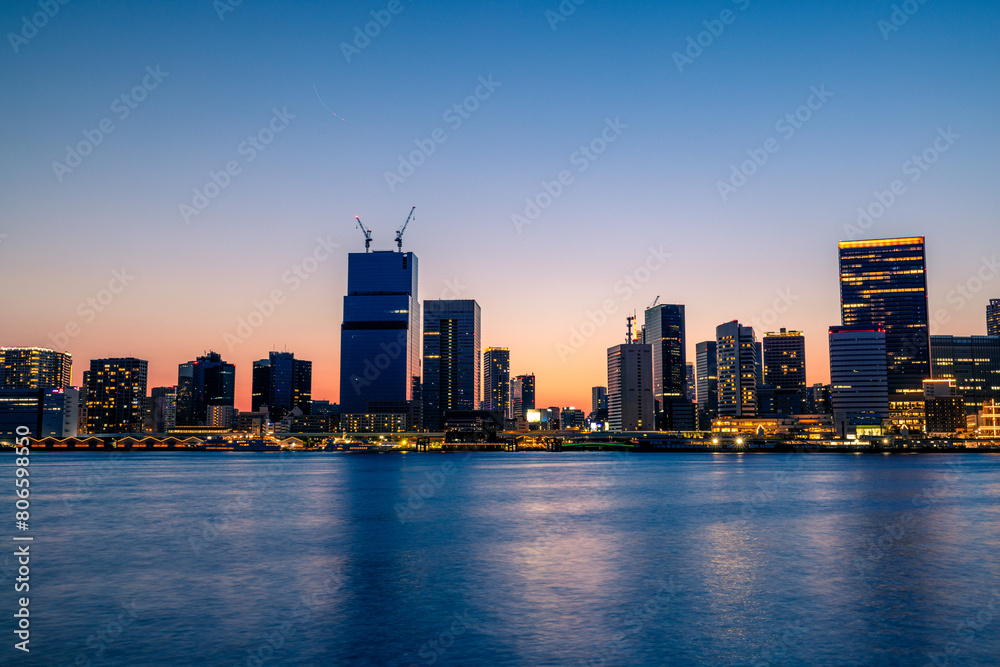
496 380
708 383
208 380
452 344
883 285
380 336
522 396
664 331
281 382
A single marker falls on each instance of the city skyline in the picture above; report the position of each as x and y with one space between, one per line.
885 155
244 403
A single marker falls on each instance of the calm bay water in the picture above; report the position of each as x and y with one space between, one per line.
510 559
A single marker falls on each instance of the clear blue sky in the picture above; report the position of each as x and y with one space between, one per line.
656 184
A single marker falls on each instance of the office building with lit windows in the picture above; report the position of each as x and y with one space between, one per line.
380 348
664 331
859 383
785 371
737 370
973 362
993 318
115 395
282 383
208 380
883 285
496 380
522 396
707 395
34 368
452 358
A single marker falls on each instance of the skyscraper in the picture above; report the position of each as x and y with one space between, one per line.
208 380
522 396
452 338
116 395
34 368
281 382
883 285
785 370
380 336
664 331
708 383
993 318
692 385
859 385
736 352
496 380
631 404
598 399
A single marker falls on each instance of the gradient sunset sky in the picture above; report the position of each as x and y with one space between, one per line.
888 96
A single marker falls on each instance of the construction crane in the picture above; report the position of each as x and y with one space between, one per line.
655 301
399 232
366 232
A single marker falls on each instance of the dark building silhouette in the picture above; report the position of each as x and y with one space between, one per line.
452 359
664 331
281 382
380 336
208 380
522 396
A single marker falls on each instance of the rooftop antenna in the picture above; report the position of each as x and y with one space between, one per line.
399 232
630 319
366 232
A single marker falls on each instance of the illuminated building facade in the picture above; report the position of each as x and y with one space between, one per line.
380 335
736 354
496 380
785 370
116 395
452 358
993 318
34 368
973 362
708 383
944 408
883 285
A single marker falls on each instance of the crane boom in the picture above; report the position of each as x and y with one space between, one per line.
366 232
399 232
